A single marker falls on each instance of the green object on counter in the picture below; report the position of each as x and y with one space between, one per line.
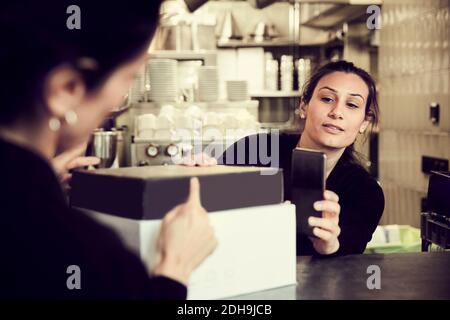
394 239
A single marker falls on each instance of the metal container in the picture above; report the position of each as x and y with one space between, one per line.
104 146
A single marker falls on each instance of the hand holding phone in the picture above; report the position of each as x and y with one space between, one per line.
308 185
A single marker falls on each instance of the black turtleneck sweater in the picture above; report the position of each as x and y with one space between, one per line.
360 196
41 237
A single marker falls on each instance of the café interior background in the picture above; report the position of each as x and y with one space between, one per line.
274 48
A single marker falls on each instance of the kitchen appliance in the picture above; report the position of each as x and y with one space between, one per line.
215 124
154 152
435 222
146 152
156 124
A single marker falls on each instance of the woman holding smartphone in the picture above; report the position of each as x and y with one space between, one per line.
60 83
338 102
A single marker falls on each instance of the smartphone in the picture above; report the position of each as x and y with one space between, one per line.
308 185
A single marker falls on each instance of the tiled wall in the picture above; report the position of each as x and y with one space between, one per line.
414 71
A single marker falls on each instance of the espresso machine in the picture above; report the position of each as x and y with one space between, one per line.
166 121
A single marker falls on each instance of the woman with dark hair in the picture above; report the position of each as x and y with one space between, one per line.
59 84
338 102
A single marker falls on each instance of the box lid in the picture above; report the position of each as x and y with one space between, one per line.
150 192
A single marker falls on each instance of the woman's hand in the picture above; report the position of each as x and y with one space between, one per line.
186 238
200 159
71 159
326 229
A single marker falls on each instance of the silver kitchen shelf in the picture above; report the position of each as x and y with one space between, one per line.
267 43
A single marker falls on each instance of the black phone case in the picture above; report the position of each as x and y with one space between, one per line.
308 185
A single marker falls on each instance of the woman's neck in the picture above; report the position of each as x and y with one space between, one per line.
333 154
41 141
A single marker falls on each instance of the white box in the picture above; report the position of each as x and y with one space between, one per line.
256 249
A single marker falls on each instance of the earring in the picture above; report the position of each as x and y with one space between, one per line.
54 124
71 117
302 115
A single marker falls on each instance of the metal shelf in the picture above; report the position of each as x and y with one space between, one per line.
267 43
275 94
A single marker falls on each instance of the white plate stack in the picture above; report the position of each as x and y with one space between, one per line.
208 83
163 80
237 90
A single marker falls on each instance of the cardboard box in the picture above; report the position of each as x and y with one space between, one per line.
256 250
255 230
150 192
